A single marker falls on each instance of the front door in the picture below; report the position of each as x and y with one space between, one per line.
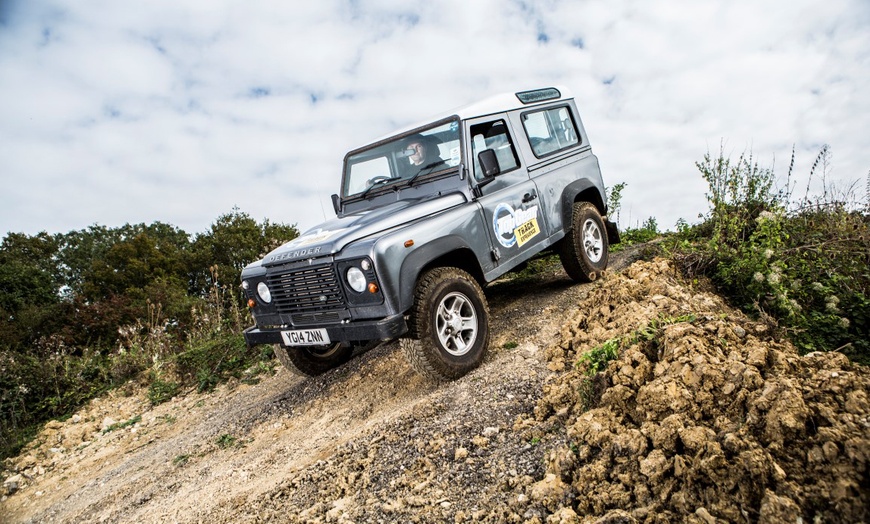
510 202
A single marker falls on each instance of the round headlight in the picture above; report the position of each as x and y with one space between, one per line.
264 292
356 280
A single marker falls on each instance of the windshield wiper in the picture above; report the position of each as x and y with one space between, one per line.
377 183
425 170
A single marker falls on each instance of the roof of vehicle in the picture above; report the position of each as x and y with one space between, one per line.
487 106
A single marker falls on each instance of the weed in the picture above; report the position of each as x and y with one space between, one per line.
546 263
226 441
206 380
510 345
122 425
588 398
160 391
637 235
598 357
251 375
180 460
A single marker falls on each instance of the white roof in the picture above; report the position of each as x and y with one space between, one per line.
501 103
490 105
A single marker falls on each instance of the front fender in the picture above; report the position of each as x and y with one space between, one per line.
420 258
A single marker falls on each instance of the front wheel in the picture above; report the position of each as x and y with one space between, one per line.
449 325
584 250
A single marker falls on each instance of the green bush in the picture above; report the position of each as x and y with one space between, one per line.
90 310
802 264
207 361
159 391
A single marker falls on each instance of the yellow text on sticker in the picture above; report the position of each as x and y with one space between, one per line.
526 231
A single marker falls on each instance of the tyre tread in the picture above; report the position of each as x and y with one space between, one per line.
570 252
418 355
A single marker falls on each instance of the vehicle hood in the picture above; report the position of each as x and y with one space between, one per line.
332 236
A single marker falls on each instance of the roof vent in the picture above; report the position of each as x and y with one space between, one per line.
539 95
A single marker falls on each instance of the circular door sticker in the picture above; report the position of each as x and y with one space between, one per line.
514 226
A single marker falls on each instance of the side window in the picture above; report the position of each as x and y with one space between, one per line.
493 135
550 130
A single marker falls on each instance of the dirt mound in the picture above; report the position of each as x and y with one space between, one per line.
703 417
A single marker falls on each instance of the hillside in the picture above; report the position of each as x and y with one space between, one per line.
703 417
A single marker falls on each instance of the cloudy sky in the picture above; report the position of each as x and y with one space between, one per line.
180 110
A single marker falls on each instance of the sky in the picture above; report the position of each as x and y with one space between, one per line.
179 111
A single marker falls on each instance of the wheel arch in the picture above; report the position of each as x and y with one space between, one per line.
449 251
583 190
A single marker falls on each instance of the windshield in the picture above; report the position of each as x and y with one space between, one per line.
407 158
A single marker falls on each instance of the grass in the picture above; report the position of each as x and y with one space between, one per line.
226 441
122 425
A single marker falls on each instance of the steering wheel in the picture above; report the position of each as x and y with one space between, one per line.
374 180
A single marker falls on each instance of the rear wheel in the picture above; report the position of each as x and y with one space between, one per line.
584 250
315 360
449 325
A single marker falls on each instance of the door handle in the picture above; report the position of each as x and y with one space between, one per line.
528 197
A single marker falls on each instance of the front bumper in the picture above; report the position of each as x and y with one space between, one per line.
385 329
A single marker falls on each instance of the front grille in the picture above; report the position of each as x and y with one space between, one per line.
321 317
306 290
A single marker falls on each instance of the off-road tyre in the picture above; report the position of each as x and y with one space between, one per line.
440 346
313 361
585 249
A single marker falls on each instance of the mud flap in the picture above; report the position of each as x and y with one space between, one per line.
612 231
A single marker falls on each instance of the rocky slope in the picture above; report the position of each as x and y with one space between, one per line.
703 417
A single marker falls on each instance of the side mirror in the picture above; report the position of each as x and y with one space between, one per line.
336 203
488 163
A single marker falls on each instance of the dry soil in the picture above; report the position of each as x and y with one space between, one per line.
704 417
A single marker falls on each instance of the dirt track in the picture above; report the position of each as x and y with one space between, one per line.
373 442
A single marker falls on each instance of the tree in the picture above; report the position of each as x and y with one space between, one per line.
233 241
28 271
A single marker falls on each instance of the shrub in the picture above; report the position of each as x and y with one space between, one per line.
93 309
162 390
801 263
207 361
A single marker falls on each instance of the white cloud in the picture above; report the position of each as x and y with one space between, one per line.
179 110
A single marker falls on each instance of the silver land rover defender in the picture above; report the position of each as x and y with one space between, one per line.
425 218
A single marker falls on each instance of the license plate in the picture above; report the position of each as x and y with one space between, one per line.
305 337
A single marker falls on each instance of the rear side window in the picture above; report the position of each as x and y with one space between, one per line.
550 130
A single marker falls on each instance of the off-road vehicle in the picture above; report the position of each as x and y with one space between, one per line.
425 218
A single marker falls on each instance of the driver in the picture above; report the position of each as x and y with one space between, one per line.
423 154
